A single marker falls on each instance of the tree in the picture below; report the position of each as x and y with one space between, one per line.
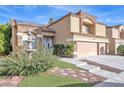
51 20
2 39
5 38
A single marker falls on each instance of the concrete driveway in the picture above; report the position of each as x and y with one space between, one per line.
109 64
109 60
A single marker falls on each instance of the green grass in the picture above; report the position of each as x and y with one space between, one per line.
47 79
62 64
50 80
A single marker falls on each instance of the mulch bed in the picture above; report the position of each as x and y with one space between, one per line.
82 75
11 81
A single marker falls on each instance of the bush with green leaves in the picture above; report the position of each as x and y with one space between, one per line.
69 50
21 64
63 50
59 49
120 49
2 42
5 38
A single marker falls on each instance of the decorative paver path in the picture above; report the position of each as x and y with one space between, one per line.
11 81
82 75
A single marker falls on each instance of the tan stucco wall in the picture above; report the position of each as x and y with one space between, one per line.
100 30
62 31
88 21
115 33
92 29
112 46
122 35
75 24
109 32
89 39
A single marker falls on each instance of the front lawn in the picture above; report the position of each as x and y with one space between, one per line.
62 64
50 80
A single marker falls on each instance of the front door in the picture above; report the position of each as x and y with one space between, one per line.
48 43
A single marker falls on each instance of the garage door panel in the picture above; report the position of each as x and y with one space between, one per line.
86 49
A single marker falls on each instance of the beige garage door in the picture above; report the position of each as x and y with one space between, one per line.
86 49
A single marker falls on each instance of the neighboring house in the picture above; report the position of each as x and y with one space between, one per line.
116 37
80 29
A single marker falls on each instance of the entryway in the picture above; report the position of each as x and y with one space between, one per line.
48 42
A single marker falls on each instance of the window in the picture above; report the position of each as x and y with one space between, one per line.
86 29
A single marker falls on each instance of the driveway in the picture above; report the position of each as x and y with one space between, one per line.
111 67
116 62
108 60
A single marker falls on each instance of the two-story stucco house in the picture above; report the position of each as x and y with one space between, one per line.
116 37
81 29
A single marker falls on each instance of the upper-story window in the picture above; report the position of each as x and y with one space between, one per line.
86 29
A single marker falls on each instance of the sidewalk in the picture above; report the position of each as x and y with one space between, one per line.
117 81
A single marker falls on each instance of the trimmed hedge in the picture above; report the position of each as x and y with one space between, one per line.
63 50
120 49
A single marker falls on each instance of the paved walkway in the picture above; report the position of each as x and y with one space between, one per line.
117 81
82 75
11 81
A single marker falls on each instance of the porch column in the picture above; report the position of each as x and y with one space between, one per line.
19 39
39 41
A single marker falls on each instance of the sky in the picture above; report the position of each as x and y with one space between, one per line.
110 15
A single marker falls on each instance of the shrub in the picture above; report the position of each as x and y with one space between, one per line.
69 50
20 64
120 49
63 50
58 49
2 42
5 38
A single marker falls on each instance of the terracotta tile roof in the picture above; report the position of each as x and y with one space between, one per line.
44 29
85 13
27 23
114 26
